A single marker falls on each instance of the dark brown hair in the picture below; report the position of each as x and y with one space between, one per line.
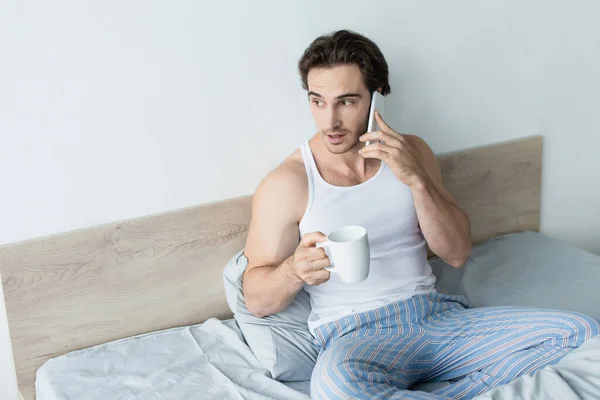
346 47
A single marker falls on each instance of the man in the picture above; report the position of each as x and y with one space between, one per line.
381 336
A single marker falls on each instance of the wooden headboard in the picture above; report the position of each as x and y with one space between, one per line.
79 289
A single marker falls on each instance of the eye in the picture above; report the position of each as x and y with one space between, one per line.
318 103
346 102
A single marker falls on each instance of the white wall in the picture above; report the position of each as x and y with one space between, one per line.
112 110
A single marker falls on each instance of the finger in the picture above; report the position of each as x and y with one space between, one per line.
311 239
377 146
320 264
315 253
383 136
382 124
320 276
383 156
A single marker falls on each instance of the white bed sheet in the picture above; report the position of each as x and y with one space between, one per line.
212 361
575 377
207 361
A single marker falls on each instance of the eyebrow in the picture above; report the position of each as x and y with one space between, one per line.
341 96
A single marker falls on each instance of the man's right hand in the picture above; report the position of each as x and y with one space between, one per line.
309 261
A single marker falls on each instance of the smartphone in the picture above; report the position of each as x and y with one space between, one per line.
377 103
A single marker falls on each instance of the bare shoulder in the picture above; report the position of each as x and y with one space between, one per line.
286 185
420 144
289 176
293 168
432 165
428 157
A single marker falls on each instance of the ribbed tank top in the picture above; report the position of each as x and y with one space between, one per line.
384 206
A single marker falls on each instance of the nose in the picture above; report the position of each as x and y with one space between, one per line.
334 120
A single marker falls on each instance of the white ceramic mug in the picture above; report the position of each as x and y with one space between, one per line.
348 252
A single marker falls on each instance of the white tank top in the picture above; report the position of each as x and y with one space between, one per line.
384 206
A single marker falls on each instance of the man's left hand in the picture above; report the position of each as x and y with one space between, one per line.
401 156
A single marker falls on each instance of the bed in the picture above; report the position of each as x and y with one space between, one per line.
132 283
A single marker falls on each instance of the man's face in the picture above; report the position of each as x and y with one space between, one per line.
339 102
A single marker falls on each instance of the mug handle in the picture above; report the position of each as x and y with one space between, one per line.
327 245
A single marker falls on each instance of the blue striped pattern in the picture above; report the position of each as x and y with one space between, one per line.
381 353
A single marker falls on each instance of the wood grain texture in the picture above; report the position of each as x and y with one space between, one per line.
76 290
80 289
498 186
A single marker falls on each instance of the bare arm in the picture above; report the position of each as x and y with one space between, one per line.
275 265
445 226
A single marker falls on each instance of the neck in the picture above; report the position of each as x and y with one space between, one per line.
349 162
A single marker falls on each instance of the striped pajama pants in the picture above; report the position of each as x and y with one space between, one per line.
381 353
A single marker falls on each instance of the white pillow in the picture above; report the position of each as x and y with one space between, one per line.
525 269
281 341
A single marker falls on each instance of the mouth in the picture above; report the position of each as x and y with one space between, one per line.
335 139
